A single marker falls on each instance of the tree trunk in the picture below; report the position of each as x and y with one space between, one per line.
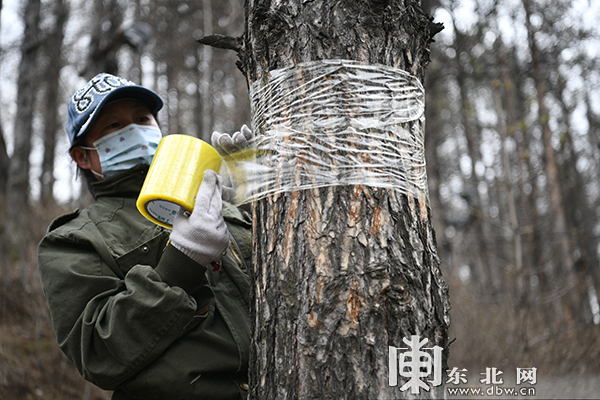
4 159
517 268
17 199
579 212
512 127
560 229
432 139
4 165
105 41
52 124
485 277
342 272
530 220
207 59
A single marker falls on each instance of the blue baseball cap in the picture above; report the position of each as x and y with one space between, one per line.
86 103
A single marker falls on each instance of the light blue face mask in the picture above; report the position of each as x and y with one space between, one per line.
126 148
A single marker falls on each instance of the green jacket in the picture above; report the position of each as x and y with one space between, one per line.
137 316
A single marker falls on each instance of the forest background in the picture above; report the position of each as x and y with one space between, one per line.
513 161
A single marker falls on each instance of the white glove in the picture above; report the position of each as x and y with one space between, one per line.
226 144
203 235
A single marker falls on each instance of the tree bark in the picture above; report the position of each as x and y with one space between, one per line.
17 199
341 273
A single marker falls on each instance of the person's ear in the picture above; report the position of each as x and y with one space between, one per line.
81 157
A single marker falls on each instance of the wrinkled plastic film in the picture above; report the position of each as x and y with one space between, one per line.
333 122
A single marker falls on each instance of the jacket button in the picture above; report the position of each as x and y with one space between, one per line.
145 249
244 386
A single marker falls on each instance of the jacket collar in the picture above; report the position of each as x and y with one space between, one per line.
126 184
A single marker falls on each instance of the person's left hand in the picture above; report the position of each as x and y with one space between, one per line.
227 144
229 147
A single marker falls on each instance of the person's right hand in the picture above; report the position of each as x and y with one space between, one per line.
203 234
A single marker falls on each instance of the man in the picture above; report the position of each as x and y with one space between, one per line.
144 311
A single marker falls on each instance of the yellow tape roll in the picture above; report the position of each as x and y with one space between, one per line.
174 177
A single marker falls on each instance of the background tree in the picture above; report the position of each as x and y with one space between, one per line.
4 159
16 219
53 122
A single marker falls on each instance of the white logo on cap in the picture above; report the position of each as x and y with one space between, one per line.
101 85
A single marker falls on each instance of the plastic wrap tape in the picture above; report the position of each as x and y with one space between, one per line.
335 122
174 177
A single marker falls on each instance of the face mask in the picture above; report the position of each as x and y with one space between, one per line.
126 148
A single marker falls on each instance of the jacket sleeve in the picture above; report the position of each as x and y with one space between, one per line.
112 327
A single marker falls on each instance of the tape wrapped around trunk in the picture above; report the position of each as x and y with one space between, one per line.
333 122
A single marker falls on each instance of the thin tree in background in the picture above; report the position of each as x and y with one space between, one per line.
104 41
563 261
206 73
516 105
222 96
432 133
471 194
577 206
4 164
4 159
52 123
17 198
